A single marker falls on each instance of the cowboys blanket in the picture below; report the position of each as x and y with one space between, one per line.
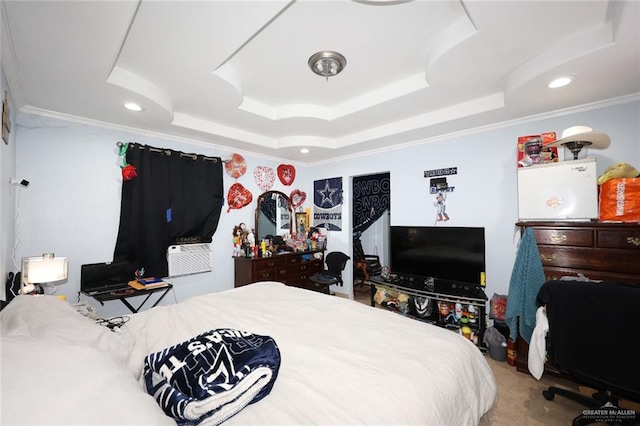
213 376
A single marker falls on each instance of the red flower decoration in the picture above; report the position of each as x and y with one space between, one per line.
129 172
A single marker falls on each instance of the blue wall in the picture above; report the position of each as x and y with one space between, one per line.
72 205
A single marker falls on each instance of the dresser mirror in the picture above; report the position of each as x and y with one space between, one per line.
273 215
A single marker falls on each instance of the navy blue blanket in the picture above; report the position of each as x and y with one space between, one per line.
213 376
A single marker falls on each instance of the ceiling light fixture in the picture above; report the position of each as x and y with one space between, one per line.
131 106
327 63
304 150
560 82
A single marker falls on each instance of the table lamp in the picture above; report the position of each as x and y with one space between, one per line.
42 269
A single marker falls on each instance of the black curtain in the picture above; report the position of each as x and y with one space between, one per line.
176 198
371 199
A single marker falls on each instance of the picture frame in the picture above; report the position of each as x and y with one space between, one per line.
6 123
302 223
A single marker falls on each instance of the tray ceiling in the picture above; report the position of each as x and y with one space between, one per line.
235 73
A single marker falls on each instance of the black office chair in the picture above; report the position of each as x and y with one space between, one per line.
332 275
592 337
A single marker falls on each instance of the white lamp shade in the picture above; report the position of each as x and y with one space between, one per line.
44 269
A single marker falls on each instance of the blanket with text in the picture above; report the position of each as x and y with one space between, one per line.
211 377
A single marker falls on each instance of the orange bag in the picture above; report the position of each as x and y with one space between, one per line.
620 200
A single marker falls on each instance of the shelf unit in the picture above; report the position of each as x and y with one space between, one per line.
441 318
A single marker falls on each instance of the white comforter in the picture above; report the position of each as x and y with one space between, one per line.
59 367
342 362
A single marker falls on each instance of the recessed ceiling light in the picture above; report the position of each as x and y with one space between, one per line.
304 150
133 106
560 82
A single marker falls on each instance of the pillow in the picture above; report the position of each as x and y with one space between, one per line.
53 320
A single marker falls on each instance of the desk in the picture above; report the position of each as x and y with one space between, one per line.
123 295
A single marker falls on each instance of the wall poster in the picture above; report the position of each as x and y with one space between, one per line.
439 187
327 202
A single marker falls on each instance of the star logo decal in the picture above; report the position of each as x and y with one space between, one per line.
327 194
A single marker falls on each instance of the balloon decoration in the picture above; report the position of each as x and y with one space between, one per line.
238 197
286 174
297 198
236 166
264 176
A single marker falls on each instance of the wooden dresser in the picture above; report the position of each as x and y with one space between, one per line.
599 251
293 269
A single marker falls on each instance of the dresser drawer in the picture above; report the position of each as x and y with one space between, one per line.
292 260
293 269
297 280
618 261
265 275
619 238
564 237
553 273
265 264
316 265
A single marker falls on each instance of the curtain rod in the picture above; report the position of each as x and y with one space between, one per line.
168 152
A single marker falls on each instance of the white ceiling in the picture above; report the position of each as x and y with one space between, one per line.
235 74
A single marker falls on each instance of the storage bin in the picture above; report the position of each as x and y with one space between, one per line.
498 351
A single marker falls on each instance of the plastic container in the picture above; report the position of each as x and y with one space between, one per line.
498 351
512 353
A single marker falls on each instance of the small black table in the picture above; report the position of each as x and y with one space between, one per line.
123 294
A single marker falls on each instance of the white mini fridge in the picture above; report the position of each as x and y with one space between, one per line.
566 190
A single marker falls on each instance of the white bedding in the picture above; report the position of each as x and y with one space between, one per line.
59 367
342 362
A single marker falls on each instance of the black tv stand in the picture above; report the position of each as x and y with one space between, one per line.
444 296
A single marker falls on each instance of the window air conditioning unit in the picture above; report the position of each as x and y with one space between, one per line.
187 259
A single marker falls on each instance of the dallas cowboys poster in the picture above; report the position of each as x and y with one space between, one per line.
327 202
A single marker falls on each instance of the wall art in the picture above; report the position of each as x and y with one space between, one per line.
327 201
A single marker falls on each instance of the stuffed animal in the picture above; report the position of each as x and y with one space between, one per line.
238 235
618 171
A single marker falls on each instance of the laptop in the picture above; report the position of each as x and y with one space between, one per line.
100 278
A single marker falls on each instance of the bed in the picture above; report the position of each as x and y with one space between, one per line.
342 362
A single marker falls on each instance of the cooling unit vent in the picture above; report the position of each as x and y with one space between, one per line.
189 259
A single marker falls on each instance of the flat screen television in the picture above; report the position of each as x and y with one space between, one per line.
447 253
